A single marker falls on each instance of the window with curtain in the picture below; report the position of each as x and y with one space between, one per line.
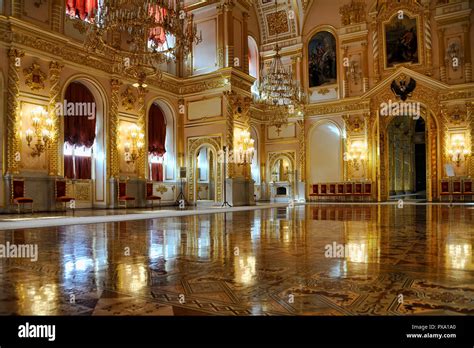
156 142
83 9
79 135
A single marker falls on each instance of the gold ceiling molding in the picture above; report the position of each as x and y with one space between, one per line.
277 23
336 107
353 13
34 77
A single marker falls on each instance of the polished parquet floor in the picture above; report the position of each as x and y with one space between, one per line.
415 260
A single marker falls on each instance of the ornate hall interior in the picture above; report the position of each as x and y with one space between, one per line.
236 157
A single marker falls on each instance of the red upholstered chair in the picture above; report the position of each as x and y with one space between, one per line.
445 189
314 191
349 189
60 193
149 194
467 188
340 189
18 194
457 187
358 189
367 189
332 191
122 194
323 190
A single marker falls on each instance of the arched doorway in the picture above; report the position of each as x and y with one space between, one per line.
205 174
83 140
431 140
407 158
325 160
212 145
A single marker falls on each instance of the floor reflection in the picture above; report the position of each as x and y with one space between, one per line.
270 261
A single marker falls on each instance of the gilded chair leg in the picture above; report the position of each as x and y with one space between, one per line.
18 208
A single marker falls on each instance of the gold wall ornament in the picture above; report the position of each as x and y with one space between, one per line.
302 150
354 124
162 189
352 13
277 22
215 143
13 124
54 98
142 114
113 169
34 77
128 99
454 116
323 91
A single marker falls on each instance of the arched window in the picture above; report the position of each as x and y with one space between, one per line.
254 62
83 9
79 114
322 63
156 141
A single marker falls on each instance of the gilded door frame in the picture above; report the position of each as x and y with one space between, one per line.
194 144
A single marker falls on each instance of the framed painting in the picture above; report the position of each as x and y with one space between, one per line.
401 41
322 63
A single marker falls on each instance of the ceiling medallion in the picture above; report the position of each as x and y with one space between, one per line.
142 34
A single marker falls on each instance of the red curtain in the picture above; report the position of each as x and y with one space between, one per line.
68 167
83 9
157 35
157 171
156 131
79 130
83 167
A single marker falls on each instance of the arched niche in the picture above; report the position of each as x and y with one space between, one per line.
255 165
254 62
169 162
99 160
325 161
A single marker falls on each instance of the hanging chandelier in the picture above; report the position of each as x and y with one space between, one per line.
142 34
279 94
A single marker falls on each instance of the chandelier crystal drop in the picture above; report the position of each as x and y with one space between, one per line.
142 34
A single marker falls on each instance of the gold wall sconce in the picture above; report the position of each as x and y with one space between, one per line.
357 154
40 136
458 150
133 139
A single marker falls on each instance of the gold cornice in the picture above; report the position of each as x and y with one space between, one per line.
50 45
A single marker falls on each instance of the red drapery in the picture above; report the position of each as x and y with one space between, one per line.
156 131
79 130
157 171
83 9
83 167
158 35
68 167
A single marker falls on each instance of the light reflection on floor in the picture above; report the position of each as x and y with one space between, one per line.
250 263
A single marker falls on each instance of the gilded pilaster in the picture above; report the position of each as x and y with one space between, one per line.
229 33
302 150
428 43
113 168
54 98
142 160
375 51
467 53
245 63
442 66
13 145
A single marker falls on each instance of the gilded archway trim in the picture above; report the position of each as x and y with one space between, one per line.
194 144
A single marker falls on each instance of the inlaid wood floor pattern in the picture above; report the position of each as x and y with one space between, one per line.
309 260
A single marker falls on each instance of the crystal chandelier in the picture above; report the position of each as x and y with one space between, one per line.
142 34
279 94
244 149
